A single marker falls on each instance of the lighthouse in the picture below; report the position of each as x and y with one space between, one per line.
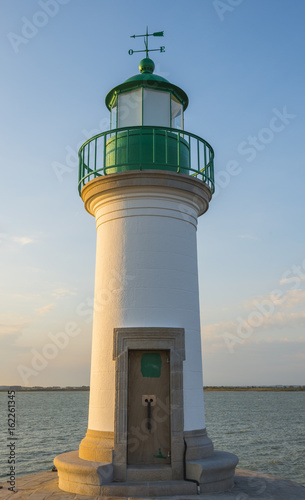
146 182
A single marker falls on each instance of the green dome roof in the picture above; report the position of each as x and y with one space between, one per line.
146 79
146 68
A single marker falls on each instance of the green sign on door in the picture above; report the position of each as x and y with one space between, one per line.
151 364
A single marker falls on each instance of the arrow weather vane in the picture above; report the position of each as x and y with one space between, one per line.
157 33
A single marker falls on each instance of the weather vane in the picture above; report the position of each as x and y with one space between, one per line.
157 33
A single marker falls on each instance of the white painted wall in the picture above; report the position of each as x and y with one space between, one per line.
146 275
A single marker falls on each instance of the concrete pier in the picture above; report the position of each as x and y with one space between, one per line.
248 485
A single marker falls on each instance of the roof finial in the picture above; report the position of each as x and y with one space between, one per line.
157 33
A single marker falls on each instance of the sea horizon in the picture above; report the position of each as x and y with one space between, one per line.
5 388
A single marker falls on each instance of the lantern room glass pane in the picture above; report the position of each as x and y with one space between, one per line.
177 114
114 116
156 108
130 109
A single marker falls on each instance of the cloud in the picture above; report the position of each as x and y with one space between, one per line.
25 296
281 301
9 340
11 324
268 314
294 297
45 309
256 322
293 279
260 317
281 320
256 363
58 293
22 240
62 292
214 331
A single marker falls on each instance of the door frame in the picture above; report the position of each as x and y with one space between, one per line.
150 338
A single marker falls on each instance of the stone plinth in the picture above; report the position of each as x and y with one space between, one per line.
247 485
214 473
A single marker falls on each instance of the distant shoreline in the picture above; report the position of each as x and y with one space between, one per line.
284 388
42 389
262 389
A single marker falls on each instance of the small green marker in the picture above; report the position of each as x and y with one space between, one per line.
159 455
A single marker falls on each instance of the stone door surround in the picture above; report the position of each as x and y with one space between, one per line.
150 338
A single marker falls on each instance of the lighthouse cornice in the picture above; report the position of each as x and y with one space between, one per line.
162 186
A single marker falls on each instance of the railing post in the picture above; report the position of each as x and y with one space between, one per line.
104 155
80 170
95 153
198 156
178 151
210 165
84 165
141 148
115 147
205 156
127 155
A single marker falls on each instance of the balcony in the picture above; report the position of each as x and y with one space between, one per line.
146 148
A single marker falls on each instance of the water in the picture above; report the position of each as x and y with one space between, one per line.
48 423
265 429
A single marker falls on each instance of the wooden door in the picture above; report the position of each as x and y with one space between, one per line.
148 407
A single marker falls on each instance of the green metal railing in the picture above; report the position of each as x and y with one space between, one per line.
142 148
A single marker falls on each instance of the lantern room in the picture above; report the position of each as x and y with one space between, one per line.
146 100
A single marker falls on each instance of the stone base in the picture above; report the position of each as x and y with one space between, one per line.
97 446
199 445
214 473
82 476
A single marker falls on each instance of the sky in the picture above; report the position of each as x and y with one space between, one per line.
241 62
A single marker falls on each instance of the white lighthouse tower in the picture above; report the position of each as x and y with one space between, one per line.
146 181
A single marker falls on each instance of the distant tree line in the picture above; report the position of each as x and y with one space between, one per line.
255 388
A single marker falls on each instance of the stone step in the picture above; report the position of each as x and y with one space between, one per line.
214 473
136 473
149 489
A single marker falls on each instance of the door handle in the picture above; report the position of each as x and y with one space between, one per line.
149 400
